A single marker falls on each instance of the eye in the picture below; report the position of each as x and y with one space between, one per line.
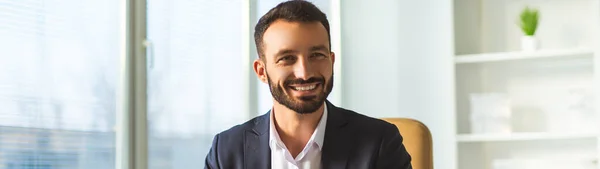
287 58
318 55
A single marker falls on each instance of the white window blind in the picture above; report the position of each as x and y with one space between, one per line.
58 71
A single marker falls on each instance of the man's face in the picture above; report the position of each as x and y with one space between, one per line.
297 64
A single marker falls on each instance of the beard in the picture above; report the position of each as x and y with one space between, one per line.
306 104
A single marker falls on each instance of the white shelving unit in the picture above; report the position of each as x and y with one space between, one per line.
514 107
523 55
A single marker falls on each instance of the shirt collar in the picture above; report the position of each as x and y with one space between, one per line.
317 137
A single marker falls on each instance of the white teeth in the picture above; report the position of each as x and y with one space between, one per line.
304 88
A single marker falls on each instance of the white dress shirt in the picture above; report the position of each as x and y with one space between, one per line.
309 158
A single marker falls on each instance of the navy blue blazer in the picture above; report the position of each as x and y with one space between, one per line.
352 141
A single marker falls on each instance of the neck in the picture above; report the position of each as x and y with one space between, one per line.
293 128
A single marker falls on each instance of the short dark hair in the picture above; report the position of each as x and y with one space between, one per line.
292 11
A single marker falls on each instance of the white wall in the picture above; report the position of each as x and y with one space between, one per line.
398 63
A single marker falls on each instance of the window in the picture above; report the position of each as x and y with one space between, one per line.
58 71
196 86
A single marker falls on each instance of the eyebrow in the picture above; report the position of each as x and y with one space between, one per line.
284 52
318 48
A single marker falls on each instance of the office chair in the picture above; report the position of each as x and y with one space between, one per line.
417 140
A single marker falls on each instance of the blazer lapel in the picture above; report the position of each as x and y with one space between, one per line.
337 142
257 153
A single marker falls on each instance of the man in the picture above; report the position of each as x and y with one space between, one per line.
303 130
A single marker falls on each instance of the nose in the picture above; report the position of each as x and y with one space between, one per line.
302 69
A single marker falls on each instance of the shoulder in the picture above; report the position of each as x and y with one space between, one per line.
238 130
361 121
228 145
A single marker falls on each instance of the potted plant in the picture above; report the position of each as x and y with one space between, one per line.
529 19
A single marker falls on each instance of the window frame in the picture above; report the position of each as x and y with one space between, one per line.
131 128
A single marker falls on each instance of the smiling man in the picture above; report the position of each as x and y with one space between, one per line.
303 130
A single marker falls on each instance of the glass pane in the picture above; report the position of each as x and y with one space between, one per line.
58 71
195 88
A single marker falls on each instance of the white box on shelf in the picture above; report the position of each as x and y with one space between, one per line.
490 113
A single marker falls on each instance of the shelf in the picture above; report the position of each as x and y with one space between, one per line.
521 55
523 137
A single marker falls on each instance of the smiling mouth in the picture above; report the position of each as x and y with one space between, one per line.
305 87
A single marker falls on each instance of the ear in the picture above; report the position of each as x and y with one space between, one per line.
259 69
332 58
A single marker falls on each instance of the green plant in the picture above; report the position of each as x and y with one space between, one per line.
529 21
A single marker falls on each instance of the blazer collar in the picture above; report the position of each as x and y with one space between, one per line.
336 117
257 153
336 144
261 124
338 141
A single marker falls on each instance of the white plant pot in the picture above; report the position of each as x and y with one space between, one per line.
529 43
